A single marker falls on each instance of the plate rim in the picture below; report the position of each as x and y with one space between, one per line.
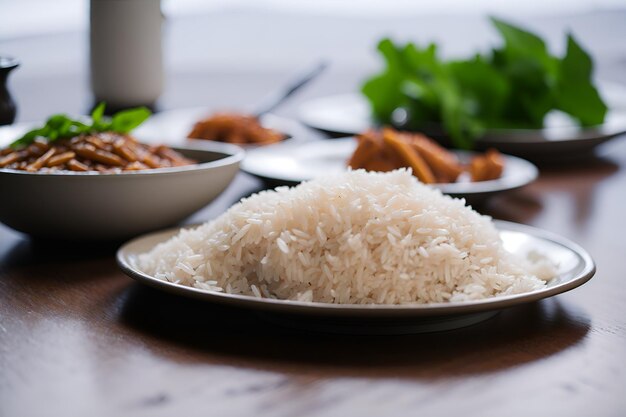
370 310
586 133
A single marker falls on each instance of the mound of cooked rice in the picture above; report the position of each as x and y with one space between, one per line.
359 237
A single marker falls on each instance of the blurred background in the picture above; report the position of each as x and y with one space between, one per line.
212 47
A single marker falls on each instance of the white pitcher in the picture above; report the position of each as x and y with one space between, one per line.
125 52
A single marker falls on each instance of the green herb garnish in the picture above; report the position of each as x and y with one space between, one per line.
61 126
512 86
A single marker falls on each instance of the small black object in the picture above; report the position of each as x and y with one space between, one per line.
7 105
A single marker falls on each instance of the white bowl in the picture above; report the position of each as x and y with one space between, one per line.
93 206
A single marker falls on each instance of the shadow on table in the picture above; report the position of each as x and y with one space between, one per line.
524 205
36 262
33 251
197 331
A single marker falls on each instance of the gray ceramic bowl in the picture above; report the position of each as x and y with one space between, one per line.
92 206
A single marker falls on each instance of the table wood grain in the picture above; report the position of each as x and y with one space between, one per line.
78 337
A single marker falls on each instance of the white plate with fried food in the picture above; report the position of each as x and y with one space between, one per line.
290 163
200 125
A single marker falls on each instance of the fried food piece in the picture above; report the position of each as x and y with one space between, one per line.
5 152
373 154
444 163
234 128
496 160
89 151
389 149
121 149
367 149
74 165
487 167
41 145
41 161
60 159
410 156
9 159
381 165
171 155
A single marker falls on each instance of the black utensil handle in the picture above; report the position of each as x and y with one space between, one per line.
278 98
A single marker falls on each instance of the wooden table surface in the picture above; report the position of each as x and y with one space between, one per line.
79 338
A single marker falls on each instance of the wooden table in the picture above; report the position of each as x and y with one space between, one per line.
79 338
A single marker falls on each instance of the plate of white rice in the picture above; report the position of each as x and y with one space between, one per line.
359 244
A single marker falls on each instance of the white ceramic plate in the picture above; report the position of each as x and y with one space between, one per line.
179 122
575 267
291 163
349 114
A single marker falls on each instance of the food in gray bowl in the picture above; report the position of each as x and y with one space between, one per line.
141 188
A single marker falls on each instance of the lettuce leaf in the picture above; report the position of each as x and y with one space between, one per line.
512 86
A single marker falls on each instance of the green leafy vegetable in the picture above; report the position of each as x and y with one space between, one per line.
575 94
513 86
60 126
127 120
